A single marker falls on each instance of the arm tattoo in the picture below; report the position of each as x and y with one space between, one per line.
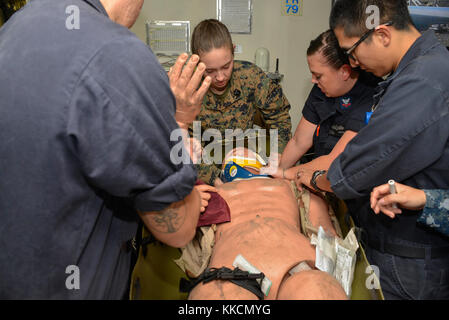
170 219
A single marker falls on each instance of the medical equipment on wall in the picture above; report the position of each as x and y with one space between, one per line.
168 39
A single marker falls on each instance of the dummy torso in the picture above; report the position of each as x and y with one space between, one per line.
265 229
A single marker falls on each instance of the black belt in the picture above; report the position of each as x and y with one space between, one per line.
239 277
408 252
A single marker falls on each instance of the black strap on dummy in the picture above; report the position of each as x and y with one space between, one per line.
239 277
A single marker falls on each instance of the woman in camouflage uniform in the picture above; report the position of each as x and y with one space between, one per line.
433 203
239 90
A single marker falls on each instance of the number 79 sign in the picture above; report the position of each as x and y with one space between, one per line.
291 7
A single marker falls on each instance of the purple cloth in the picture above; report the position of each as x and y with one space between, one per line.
217 211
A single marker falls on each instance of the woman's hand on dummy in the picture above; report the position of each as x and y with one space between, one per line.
406 197
303 176
278 172
273 168
274 171
205 196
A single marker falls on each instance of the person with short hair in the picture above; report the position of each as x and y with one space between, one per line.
406 139
85 123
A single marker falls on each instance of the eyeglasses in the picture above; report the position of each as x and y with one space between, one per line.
363 38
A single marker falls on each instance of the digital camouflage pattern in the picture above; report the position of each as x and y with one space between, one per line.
436 211
249 90
303 200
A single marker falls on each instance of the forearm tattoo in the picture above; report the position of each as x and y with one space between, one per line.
170 219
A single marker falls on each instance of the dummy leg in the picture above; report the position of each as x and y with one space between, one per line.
269 244
220 290
319 214
311 285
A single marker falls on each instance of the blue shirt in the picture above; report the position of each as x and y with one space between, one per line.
407 139
334 116
85 122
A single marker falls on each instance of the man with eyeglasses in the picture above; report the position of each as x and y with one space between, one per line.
406 139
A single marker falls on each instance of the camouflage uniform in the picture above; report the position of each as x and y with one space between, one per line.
436 212
249 90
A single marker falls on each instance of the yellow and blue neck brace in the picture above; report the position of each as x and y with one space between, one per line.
232 171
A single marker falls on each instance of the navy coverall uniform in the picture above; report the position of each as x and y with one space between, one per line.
334 116
85 122
407 139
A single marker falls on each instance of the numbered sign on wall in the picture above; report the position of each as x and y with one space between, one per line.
291 7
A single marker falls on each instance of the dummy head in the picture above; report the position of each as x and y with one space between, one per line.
212 42
329 66
242 163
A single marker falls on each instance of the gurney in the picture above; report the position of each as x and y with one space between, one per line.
157 277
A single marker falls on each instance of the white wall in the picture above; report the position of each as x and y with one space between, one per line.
286 37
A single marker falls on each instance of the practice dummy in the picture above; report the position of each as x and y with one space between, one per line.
265 229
